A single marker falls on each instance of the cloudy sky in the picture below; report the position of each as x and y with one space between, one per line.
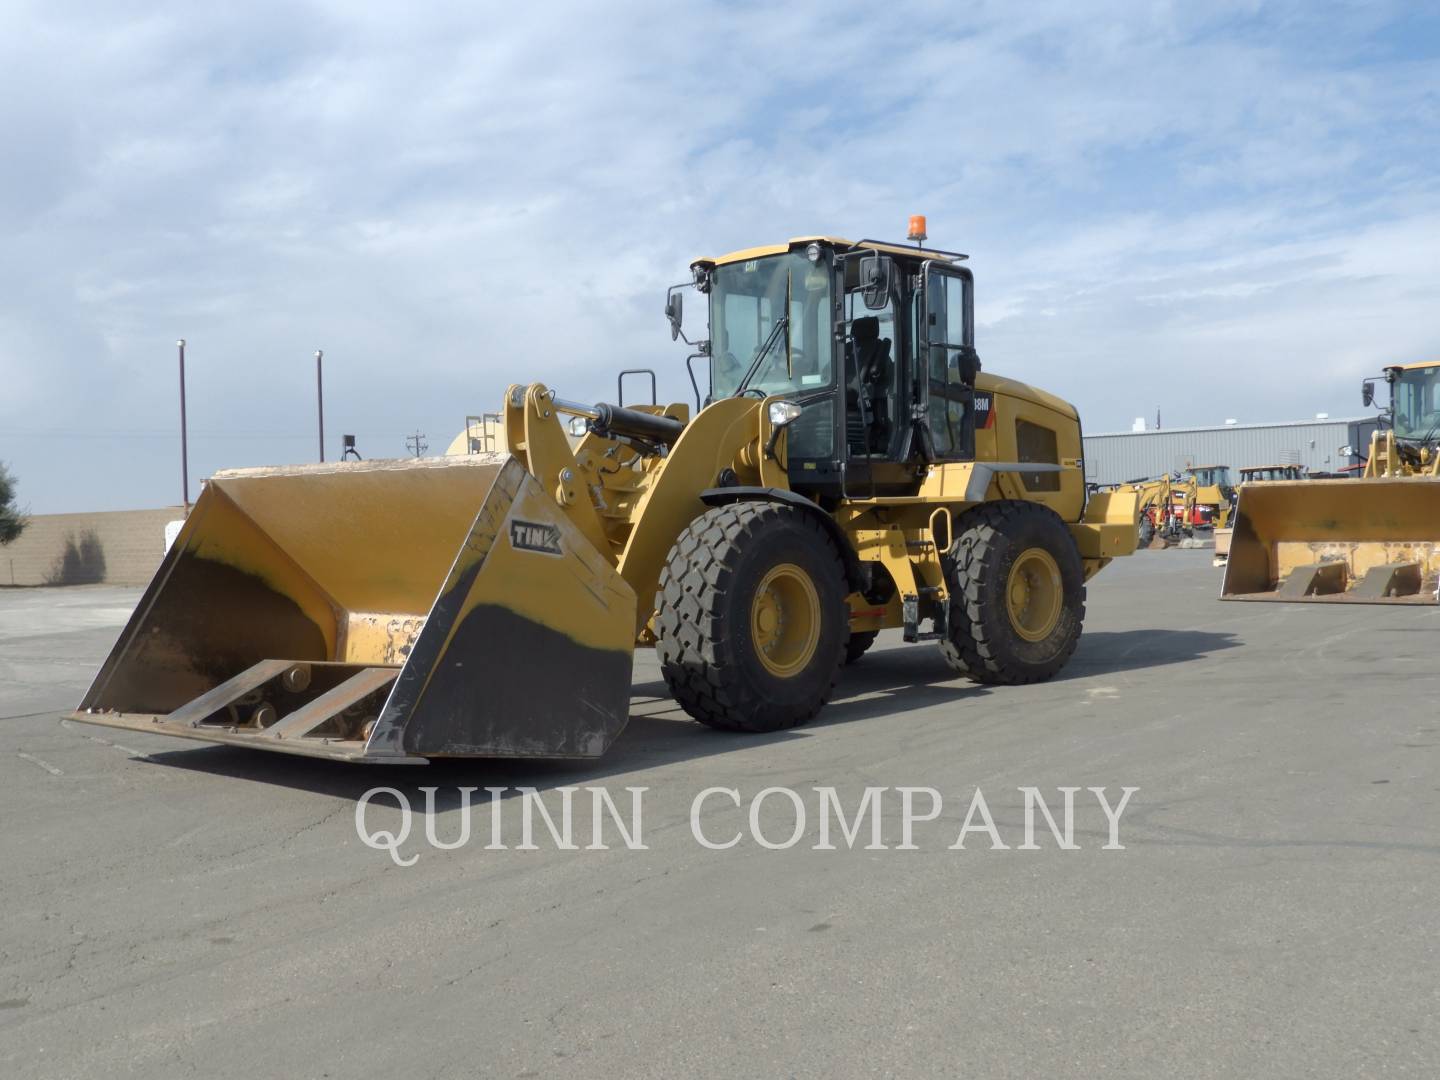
1221 210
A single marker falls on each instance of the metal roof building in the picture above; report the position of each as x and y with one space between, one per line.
1313 444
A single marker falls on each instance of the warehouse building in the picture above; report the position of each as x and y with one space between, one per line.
1312 444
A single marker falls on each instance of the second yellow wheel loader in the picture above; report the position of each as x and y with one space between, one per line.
1371 540
1165 506
851 469
1212 496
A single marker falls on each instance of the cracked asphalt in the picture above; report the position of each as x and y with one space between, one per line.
179 910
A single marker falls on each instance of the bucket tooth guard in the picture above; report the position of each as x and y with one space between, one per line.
383 611
1369 541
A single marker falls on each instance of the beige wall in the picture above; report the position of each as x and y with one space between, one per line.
122 547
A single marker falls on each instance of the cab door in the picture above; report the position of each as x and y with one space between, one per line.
943 332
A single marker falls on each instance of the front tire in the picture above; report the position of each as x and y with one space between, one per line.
859 644
752 620
1017 594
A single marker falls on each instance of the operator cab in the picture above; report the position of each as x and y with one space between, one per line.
1213 476
1414 401
1267 473
875 342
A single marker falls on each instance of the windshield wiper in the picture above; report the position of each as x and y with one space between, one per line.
764 351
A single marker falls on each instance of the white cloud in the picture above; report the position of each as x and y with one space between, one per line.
1218 209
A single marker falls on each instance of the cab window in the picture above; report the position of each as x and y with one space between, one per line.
940 342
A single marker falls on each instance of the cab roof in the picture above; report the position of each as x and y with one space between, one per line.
1418 364
832 241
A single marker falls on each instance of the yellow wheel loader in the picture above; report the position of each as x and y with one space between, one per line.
1212 496
1371 540
851 469
1254 474
1163 505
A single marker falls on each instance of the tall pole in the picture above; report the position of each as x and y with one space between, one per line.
184 447
320 399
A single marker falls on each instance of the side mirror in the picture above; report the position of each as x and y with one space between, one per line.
1367 392
675 312
969 362
876 272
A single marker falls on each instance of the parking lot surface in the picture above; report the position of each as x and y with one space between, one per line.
172 909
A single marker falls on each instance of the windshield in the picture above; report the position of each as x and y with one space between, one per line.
1417 403
746 300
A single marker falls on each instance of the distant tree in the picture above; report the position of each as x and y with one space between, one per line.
81 563
12 521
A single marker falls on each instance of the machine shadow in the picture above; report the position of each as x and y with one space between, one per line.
1102 651
887 683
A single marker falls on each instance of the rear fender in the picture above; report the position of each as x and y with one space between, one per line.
1109 528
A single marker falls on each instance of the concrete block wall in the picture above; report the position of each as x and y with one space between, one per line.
121 547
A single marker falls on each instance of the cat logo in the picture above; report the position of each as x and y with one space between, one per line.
530 536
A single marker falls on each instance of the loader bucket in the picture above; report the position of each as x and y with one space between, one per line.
1354 541
381 611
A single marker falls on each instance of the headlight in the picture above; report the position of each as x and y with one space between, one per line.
579 426
1347 450
784 412
812 252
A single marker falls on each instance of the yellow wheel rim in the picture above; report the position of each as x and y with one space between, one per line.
785 620
1034 595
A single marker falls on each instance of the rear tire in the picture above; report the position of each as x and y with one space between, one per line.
859 643
752 620
1017 594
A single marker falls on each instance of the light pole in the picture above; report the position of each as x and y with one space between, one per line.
320 399
184 447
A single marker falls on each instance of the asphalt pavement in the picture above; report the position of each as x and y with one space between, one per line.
1266 907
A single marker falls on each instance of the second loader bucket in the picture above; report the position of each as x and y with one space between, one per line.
380 611
1358 541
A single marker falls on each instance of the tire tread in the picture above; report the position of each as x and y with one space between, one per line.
696 590
971 647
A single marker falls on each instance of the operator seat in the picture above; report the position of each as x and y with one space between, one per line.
868 382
